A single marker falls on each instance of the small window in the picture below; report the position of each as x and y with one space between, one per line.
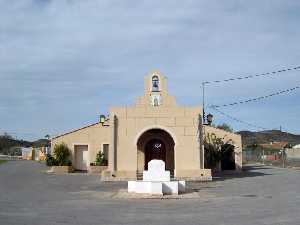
105 150
155 83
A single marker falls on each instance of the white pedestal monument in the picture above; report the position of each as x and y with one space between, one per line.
156 181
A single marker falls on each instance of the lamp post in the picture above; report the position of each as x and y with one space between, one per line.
209 119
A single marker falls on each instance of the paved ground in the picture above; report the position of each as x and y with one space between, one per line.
263 195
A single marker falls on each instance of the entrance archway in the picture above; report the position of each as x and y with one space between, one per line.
155 144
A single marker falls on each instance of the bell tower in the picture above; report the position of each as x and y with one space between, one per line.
155 88
155 82
155 92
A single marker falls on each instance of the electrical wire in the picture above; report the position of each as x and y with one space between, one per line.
258 98
238 120
254 76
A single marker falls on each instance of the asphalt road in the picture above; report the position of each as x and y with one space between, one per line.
262 195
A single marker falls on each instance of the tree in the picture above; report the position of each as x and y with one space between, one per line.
225 127
47 136
6 142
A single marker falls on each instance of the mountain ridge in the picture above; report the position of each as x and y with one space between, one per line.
267 136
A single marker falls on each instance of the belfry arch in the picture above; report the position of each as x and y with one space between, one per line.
155 144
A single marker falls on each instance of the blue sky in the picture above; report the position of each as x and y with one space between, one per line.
64 62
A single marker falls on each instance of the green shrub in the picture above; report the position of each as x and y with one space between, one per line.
50 160
62 153
100 160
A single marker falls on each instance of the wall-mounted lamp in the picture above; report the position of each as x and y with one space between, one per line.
102 119
209 118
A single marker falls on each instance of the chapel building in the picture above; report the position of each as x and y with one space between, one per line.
155 127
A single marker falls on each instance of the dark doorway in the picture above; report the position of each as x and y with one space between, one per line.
154 149
227 157
155 144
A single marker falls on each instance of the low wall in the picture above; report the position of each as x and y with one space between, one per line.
118 175
61 169
8 157
194 175
97 169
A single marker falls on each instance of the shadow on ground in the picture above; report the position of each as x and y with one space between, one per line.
248 171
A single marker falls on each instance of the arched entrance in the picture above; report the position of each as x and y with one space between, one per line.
155 144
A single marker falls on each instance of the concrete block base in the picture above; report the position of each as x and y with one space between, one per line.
188 175
170 187
181 186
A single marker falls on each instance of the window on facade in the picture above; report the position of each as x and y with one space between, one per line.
155 83
105 149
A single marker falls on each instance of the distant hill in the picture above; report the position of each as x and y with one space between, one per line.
267 136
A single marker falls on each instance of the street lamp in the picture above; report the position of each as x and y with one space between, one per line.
209 118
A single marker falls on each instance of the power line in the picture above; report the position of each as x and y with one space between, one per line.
254 76
258 98
238 120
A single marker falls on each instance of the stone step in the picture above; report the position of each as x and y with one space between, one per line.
139 175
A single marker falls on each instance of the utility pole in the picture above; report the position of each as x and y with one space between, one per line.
283 157
203 101
202 124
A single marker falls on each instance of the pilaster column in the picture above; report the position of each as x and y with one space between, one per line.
113 152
